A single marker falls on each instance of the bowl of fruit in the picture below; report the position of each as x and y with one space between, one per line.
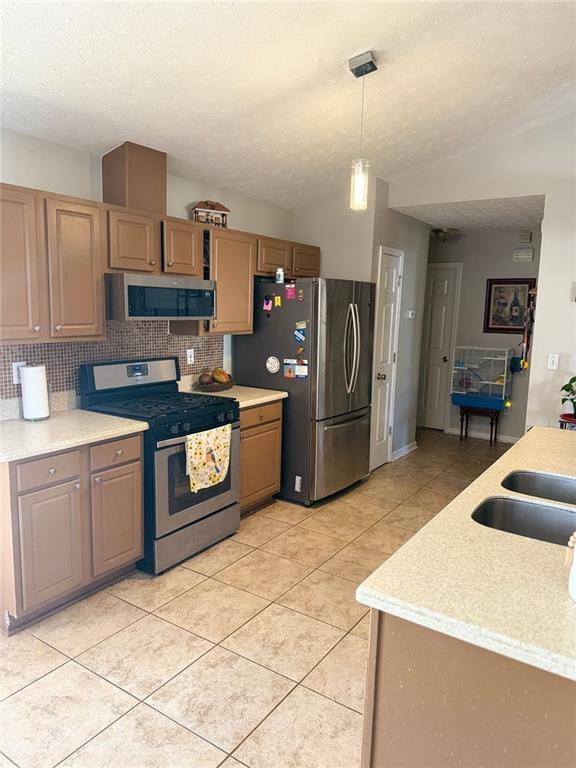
216 380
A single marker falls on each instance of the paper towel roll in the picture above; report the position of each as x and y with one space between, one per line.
35 404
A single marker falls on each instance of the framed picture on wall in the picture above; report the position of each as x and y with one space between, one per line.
506 303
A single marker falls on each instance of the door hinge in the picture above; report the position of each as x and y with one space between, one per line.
399 279
393 357
390 430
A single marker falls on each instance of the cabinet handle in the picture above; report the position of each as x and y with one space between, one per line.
97 480
77 486
119 451
260 415
58 327
214 324
36 329
171 263
153 262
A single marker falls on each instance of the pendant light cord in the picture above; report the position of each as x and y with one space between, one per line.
362 117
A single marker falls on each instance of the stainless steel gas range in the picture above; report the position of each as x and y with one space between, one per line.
177 522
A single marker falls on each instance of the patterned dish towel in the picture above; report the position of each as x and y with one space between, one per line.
208 457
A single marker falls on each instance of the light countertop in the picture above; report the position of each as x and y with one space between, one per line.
250 396
496 590
20 439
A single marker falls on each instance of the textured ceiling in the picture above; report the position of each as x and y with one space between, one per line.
257 97
473 215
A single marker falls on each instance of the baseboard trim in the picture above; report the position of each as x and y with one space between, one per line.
404 451
482 435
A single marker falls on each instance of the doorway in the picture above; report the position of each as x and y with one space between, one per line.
388 279
441 307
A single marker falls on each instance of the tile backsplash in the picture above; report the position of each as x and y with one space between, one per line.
124 341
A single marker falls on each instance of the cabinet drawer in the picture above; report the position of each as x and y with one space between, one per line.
115 452
260 414
53 469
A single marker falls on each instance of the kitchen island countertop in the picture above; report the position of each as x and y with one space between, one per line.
496 590
21 439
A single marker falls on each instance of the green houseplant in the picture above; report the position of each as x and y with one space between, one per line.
570 393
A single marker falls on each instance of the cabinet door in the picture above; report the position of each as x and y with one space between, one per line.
20 255
75 261
51 543
116 517
260 462
134 241
183 244
273 253
232 265
305 261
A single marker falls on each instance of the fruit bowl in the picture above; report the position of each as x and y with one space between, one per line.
215 386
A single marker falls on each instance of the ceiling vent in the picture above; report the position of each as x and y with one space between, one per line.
446 233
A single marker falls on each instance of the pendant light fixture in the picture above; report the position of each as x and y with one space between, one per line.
360 66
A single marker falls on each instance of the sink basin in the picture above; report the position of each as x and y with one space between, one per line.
543 486
527 518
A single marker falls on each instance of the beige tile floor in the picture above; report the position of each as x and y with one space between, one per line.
249 654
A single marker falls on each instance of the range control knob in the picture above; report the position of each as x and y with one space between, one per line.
175 429
185 427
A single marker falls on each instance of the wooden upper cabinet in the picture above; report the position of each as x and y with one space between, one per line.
183 247
75 261
274 253
135 176
133 241
21 254
52 549
232 266
305 261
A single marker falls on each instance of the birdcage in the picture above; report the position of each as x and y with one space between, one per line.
482 377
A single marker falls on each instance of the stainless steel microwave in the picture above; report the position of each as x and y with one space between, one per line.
159 297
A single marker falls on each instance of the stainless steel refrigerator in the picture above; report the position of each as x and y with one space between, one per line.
313 338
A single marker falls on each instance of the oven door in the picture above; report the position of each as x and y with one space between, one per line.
176 505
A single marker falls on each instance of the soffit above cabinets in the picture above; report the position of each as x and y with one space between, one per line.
257 97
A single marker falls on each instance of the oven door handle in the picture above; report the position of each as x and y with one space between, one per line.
182 439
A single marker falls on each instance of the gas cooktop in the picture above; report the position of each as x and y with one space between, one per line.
155 405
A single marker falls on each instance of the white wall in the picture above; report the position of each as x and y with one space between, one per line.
484 255
540 161
344 236
32 162
396 230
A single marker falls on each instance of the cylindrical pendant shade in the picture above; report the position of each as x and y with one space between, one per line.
359 185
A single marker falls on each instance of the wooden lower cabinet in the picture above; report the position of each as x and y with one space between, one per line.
260 454
435 700
51 543
116 496
60 538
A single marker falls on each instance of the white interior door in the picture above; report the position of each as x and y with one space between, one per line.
440 316
388 286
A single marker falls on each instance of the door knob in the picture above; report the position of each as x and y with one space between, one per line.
58 327
381 376
36 329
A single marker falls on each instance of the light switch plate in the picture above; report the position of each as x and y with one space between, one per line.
553 361
16 371
190 356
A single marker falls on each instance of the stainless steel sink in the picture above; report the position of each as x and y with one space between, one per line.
527 518
542 485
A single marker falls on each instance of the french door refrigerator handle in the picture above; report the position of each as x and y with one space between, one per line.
357 346
348 380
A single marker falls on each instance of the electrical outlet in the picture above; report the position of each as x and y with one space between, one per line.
190 356
16 371
553 361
